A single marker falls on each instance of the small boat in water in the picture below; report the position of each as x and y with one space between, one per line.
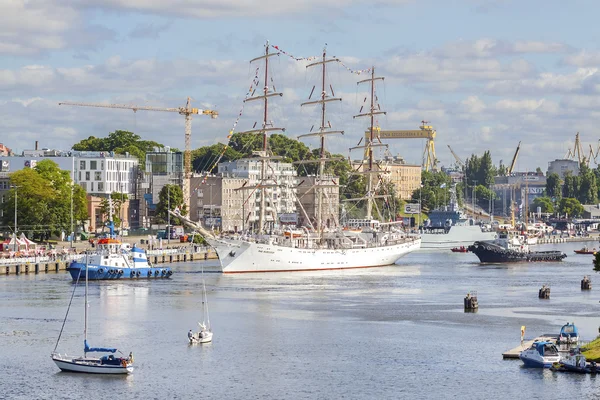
107 364
569 334
461 249
540 355
205 334
576 362
585 250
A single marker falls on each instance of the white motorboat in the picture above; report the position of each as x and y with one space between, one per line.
540 355
107 364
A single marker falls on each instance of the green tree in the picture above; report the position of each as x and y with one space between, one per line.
170 197
120 142
570 188
484 194
588 189
44 201
554 187
570 207
204 159
502 169
117 200
435 191
545 204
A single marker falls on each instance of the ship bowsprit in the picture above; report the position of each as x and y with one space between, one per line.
492 253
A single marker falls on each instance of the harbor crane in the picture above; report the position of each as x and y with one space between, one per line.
514 160
186 111
456 157
577 150
424 132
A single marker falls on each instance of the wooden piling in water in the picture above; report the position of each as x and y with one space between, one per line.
544 292
586 283
470 302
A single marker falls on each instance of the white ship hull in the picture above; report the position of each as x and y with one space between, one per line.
237 256
457 236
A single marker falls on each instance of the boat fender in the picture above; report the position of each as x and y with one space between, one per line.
149 274
124 363
100 271
156 272
169 272
164 271
132 274
120 272
137 273
111 271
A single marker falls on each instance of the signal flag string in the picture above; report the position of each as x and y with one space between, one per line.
253 85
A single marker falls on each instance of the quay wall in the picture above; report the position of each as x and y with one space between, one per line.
29 265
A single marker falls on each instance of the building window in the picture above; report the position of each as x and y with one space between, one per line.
81 164
91 186
93 165
87 175
100 186
97 176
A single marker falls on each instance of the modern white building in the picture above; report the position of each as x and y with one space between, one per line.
279 188
561 167
102 173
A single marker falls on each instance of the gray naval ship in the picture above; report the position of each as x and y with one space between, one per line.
449 227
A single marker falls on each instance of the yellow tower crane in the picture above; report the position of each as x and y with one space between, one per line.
186 111
425 132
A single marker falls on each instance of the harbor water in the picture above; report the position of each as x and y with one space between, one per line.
397 332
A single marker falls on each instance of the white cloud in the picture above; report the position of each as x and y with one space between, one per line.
229 8
31 27
473 105
583 58
530 105
547 82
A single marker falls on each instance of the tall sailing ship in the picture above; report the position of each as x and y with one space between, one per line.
315 247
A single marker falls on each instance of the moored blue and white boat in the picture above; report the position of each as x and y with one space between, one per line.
112 262
540 355
569 334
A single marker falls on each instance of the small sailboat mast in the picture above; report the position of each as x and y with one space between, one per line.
205 315
85 311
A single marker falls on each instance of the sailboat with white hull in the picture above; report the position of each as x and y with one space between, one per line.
205 334
107 364
313 247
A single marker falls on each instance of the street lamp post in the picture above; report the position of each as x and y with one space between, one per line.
168 214
16 192
420 196
72 232
474 194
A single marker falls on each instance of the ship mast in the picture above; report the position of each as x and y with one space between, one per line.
373 110
264 130
322 132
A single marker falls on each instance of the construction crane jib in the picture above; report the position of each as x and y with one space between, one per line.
425 132
186 111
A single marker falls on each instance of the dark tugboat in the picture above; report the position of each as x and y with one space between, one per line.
509 248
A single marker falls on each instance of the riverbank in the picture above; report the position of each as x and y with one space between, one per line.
591 351
167 254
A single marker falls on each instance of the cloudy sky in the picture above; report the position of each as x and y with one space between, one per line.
485 73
